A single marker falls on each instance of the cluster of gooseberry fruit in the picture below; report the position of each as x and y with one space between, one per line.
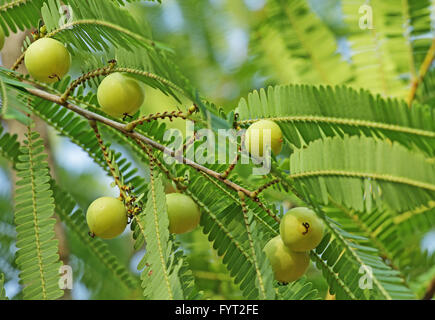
107 217
300 231
48 60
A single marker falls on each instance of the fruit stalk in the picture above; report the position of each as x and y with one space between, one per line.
122 193
90 75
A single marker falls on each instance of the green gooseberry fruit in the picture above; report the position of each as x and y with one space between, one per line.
287 265
183 213
106 217
47 60
120 95
301 229
256 134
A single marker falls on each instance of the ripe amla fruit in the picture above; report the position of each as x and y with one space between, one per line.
119 94
301 229
106 217
287 265
183 213
2 38
47 60
256 136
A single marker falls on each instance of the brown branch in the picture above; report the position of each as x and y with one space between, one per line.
135 135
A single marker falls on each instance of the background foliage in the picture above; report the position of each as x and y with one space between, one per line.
340 94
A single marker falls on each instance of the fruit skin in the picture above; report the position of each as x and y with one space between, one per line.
301 229
106 217
252 138
183 213
47 60
2 38
119 94
287 265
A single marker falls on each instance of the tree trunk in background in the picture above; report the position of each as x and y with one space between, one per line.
10 53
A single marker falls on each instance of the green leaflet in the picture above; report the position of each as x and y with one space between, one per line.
421 219
263 269
37 257
301 289
306 113
2 289
359 172
426 90
160 278
11 103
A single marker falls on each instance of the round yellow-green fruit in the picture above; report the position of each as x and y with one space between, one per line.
47 60
301 229
106 217
256 141
120 95
287 265
183 213
2 38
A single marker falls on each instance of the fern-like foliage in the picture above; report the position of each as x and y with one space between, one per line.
12 104
307 113
296 46
421 219
425 92
19 14
93 24
2 289
160 280
37 257
389 54
263 269
298 290
9 146
359 172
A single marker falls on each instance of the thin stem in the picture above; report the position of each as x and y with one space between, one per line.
106 155
167 114
90 75
18 61
227 172
430 55
265 186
